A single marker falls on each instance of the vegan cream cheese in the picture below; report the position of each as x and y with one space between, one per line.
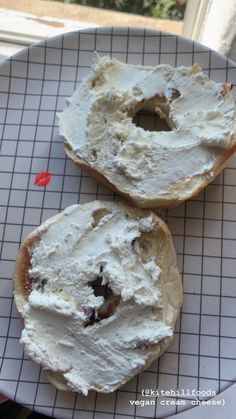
97 341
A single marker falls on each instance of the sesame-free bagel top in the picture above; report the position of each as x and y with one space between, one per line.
152 168
86 341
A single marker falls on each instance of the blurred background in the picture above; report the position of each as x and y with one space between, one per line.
210 22
167 9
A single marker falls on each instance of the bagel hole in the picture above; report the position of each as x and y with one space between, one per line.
100 290
154 114
150 121
109 306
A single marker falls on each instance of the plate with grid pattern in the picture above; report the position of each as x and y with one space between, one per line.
34 85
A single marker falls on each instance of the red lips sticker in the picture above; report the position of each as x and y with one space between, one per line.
42 179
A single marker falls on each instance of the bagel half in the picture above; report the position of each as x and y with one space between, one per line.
150 168
85 339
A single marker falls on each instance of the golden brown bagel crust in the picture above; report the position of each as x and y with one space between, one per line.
172 198
21 280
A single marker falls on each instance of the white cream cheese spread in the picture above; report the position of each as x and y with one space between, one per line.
97 126
95 342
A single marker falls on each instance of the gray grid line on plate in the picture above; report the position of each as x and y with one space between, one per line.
76 76
96 195
42 381
183 312
138 123
4 228
182 268
24 208
54 121
126 60
167 351
202 268
176 332
158 361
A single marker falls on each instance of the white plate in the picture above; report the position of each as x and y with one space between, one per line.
34 85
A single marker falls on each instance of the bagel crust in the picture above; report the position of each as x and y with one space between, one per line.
84 339
151 168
